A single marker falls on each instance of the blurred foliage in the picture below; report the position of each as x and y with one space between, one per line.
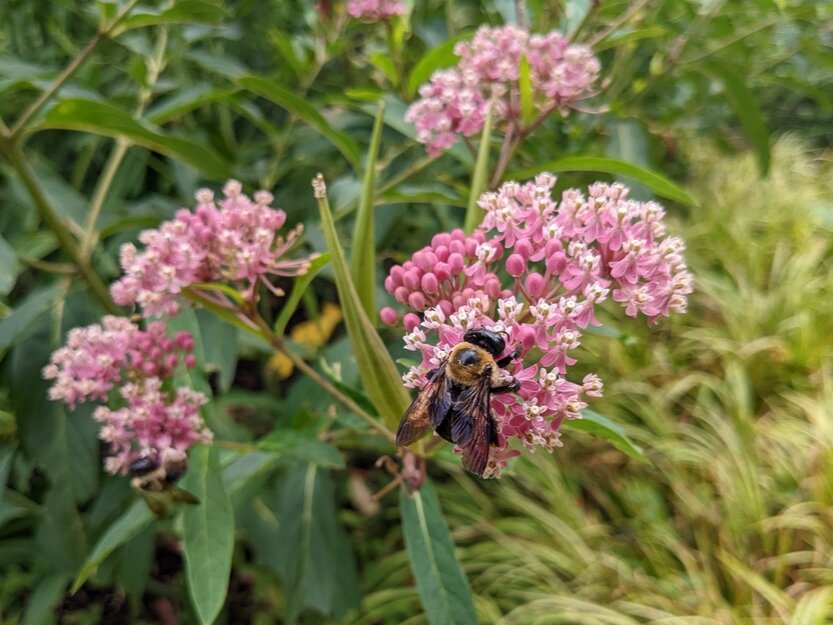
729 523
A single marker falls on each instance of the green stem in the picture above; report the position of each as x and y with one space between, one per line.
155 65
77 61
14 154
318 379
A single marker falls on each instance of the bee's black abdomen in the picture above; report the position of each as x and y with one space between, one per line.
143 466
492 342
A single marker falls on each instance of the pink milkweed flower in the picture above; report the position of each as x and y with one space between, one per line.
118 355
234 240
375 10
535 269
455 101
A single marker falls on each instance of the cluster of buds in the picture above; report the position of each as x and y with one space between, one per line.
118 355
375 10
456 100
558 261
234 240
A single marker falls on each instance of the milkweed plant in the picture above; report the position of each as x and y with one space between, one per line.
532 263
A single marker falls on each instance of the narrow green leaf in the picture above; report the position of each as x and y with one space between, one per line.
186 100
208 535
440 579
305 446
656 182
474 214
183 12
599 425
438 57
525 87
23 318
40 605
576 13
384 63
651 32
377 370
363 254
299 287
745 106
105 119
136 518
311 549
297 106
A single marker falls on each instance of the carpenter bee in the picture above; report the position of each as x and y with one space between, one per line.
455 402
155 479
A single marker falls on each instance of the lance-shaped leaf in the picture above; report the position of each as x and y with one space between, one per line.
657 183
599 425
525 88
377 370
304 110
299 287
182 12
745 106
101 118
208 535
474 214
363 254
438 57
440 579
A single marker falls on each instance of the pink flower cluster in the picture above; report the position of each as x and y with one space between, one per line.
119 355
456 101
558 261
234 240
375 10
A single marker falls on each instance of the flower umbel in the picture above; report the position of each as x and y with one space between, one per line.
535 269
234 240
138 364
455 101
375 10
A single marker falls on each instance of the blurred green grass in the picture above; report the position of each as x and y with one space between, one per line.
732 520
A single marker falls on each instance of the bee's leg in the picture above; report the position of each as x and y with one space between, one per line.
507 359
513 386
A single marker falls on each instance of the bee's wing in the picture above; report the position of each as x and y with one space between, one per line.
472 425
427 411
157 501
181 495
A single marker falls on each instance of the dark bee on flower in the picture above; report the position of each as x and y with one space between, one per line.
456 401
155 479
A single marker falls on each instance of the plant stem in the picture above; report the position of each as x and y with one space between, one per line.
316 377
21 165
77 61
155 65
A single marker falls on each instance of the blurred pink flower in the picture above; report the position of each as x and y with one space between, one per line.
234 240
455 101
119 355
560 260
375 10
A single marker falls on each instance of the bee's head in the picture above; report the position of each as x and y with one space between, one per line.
492 342
143 466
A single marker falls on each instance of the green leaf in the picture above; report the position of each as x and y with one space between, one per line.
136 518
183 12
40 605
440 579
105 119
745 106
299 287
656 182
438 57
307 112
9 267
208 534
363 253
305 446
474 214
60 536
651 32
25 316
311 549
377 370
186 100
525 86
598 425
384 63
576 13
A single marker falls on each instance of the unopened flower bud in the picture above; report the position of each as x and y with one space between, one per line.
515 265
